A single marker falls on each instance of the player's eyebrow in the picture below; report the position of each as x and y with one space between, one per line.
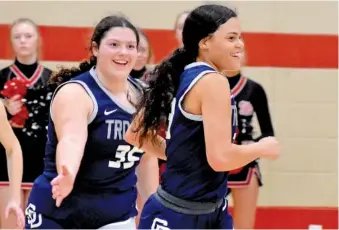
233 33
117 40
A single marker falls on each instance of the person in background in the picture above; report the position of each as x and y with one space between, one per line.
179 25
25 39
145 57
244 182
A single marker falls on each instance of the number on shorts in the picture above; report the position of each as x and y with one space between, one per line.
159 224
126 158
170 119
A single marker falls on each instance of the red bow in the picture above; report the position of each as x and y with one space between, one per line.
14 87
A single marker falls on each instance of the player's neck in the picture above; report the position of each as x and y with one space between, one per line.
230 74
115 86
200 59
27 60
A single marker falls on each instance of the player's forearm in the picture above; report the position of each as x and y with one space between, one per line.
237 156
156 148
15 168
148 176
69 153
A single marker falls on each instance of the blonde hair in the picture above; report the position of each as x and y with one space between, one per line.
179 16
150 50
29 21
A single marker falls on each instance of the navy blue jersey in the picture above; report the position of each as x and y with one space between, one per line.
188 175
106 178
109 161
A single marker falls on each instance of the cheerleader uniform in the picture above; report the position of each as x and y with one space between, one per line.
251 99
33 148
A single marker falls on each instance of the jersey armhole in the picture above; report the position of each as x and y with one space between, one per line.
188 115
88 91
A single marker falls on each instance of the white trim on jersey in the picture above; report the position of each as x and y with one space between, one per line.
190 116
89 92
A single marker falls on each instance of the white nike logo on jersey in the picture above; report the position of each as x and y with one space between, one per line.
109 112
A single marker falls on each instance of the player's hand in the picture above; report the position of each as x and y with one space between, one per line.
62 185
271 147
13 105
14 207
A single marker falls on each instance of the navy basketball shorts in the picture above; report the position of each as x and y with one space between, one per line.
80 209
39 221
156 216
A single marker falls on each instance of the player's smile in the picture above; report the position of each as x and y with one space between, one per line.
120 62
238 54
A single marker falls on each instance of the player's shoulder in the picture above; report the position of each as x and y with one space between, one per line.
211 77
72 89
210 85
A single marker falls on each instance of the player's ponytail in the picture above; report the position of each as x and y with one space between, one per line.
65 74
157 98
164 79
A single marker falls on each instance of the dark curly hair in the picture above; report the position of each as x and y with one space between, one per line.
99 33
165 78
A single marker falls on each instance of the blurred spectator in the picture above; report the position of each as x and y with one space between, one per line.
244 182
179 25
145 56
21 106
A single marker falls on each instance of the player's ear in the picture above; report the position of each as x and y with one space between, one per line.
95 49
203 44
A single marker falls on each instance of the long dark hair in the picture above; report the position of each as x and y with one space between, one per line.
165 78
99 33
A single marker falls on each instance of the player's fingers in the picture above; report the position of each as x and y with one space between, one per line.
20 218
55 191
55 188
58 201
55 181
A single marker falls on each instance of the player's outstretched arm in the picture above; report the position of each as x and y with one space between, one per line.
14 155
15 167
216 110
156 148
71 109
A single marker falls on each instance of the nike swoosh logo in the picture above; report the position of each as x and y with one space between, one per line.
109 112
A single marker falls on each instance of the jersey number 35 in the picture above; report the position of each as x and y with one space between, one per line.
126 157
